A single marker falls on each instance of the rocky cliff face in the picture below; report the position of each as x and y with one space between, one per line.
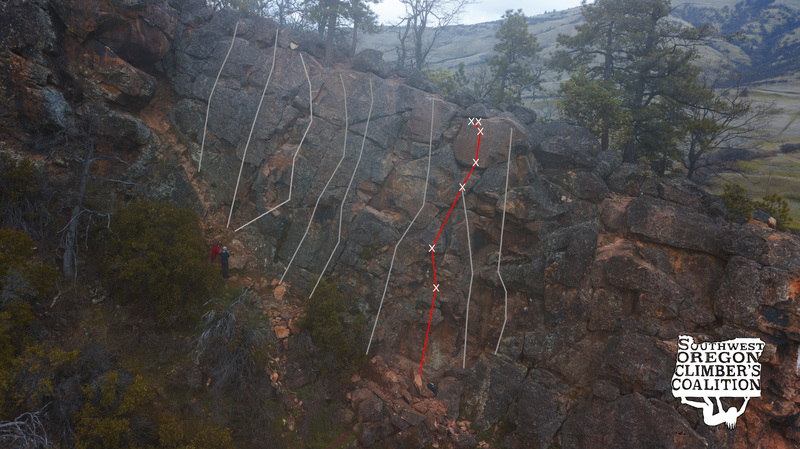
604 266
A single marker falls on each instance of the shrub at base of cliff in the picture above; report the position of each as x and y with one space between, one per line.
234 344
336 334
173 434
232 350
740 208
104 420
158 260
447 81
27 195
778 208
20 283
16 251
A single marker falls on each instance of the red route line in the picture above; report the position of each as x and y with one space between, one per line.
433 255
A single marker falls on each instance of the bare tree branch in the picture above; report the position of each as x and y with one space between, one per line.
26 431
424 22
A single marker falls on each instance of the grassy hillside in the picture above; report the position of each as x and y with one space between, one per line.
471 44
769 53
776 172
771 29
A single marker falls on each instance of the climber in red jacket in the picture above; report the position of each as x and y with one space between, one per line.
215 252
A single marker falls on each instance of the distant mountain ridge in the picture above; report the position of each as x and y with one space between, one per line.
770 49
771 28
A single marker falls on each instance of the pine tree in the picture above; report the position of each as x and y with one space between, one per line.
512 67
646 60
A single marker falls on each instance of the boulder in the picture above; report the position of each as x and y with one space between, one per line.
138 31
745 241
758 297
463 97
545 343
605 390
635 363
608 309
587 185
542 408
627 179
371 61
370 409
418 126
783 250
607 162
493 142
45 107
659 296
27 29
123 130
300 366
526 116
187 116
491 386
559 145
538 201
761 215
465 441
113 78
370 432
569 253
682 191
673 225
416 79
449 394
632 422
478 110
129 5
281 332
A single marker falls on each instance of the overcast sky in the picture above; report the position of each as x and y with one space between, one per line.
482 10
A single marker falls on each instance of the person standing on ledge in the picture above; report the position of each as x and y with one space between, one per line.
215 252
223 257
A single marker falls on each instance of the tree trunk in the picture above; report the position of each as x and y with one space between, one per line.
608 62
354 14
691 160
355 39
419 32
329 40
69 264
401 57
628 152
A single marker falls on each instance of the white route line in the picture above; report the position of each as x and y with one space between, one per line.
500 250
471 275
208 106
341 209
391 265
253 127
311 219
294 158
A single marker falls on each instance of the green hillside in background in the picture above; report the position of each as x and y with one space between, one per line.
759 38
